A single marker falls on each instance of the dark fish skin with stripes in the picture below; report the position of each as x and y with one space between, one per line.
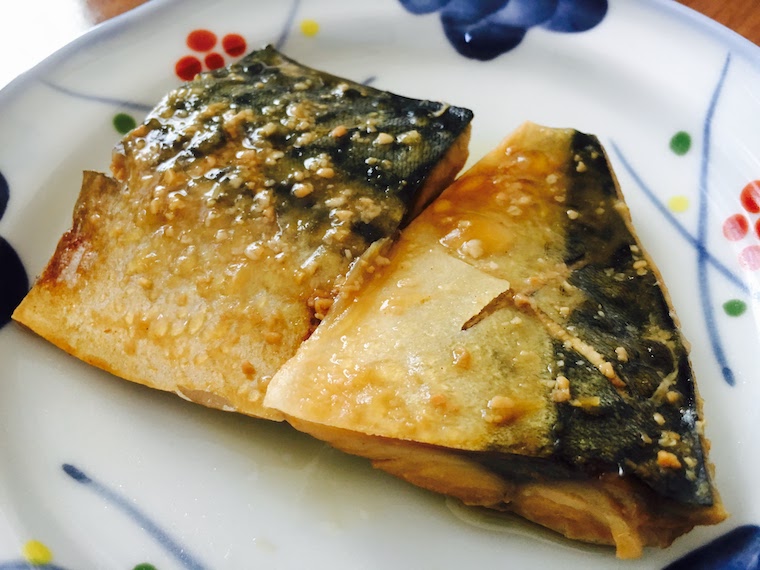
233 214
536 364
626 318
387 142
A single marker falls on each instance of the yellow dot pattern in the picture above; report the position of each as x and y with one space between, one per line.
678 203
309 28
37 553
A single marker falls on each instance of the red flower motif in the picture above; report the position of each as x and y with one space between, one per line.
202 41
750 197
736 227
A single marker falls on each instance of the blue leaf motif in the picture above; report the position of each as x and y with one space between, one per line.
14 282
423 6
738 549
525 13
483 41
472 29
4 194
485 29
577 15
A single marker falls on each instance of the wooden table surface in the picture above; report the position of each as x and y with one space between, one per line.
742 16
37 29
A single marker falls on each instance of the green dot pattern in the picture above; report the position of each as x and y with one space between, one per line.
144 566
680 143
734 307
124 123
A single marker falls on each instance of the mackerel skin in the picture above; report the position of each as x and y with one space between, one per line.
626 308
233 214
325 133
515 348
621 313
518 323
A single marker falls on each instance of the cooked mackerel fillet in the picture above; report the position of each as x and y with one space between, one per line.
234 209
516 349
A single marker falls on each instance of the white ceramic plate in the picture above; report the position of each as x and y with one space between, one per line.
100 473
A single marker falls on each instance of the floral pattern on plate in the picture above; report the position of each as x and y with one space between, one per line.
485 29
14 282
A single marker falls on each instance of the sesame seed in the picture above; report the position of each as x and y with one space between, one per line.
669 439
253 251
501 403
335 202
621 353
561 391
607 369
673 397
461 357
409 137
667 460
342 215
473 248
383 138
302 189
339 131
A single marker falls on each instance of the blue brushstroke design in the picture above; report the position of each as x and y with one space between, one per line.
98 99
285 33
179 552
738 549
702 218
678 226
485 29
5 194
699 241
